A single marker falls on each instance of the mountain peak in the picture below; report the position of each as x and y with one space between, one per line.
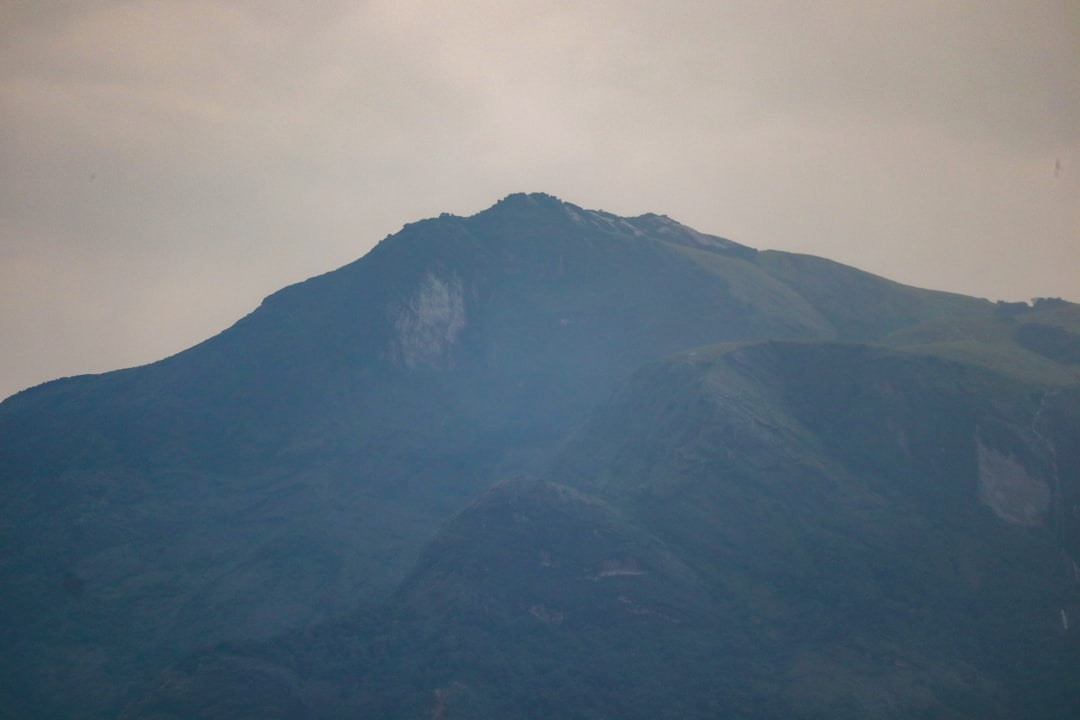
295 464
657 226
533 199
530 205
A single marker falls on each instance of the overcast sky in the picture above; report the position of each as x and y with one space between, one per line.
165 164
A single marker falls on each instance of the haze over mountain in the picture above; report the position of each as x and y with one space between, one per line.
859 467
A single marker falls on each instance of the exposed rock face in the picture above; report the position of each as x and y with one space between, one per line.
1007 488
429 323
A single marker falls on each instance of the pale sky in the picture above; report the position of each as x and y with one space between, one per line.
165 164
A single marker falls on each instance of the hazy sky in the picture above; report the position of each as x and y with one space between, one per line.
165 164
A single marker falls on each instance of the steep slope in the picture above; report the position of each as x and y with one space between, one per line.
901 520
281 471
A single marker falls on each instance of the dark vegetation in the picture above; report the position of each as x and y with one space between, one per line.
311 514
1050 341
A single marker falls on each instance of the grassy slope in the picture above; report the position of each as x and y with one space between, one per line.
835 488
991 341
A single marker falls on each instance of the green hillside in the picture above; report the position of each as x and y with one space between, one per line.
1039 343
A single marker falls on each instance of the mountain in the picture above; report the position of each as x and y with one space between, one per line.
298 465
718 541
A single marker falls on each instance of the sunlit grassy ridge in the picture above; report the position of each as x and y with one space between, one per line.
997 341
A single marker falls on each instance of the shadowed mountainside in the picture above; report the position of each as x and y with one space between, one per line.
791 530
293 466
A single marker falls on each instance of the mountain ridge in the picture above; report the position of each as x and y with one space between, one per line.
296 464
